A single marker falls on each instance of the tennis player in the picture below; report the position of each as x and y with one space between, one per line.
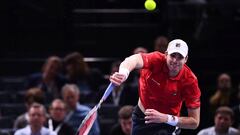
165 83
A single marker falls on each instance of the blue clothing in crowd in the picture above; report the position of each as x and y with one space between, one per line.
75 118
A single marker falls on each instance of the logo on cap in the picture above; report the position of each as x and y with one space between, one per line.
178 44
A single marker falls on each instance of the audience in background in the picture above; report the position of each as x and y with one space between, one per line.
223 119
223 95
55 123
124 127
33 95
139 49
65 119
78 72
161 44
75 111
50 79
37 117
125 94
236 110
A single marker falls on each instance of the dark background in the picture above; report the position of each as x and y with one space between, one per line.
32 30
113 28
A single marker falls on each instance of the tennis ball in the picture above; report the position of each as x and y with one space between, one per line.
150 5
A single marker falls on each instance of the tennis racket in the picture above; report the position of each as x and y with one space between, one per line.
88 121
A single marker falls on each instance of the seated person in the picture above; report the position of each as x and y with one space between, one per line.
33 95
37 117
236 110
124 127
76 112
78 72
49 80
223 120
55 123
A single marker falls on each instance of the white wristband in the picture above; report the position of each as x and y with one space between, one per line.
172 120
125 72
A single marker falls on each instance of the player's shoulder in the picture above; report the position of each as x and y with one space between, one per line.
155 54
189 73
153 59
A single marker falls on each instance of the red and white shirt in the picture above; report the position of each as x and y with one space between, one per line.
164 93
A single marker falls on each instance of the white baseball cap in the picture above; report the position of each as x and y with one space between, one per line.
178 46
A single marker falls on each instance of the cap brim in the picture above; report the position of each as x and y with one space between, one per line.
178 51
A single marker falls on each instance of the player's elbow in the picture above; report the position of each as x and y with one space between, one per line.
194 124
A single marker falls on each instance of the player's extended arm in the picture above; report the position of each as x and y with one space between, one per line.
192 121
132 62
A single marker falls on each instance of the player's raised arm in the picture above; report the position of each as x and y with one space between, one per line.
132 62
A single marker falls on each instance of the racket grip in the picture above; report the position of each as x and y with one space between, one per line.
109 89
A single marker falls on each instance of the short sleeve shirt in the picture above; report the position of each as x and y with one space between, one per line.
157 90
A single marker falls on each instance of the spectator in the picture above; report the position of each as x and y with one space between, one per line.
76 111
37 117
161 44
79 73
56 122
223 120
140 49
50 79
124 127
77 70
223 96
236 110
33 95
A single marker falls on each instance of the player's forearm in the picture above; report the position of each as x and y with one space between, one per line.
132 62
188 123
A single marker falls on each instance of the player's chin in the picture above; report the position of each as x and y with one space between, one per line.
174 70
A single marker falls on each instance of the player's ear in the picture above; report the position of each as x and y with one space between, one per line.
166 53
186 58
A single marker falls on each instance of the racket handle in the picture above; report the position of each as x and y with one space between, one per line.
109 89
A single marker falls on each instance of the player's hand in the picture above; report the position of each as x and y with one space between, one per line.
117 78
153 116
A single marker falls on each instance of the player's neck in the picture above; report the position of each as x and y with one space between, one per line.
173 74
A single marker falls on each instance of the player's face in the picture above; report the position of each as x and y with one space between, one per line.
175 62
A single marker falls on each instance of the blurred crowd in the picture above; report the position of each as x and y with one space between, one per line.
58 97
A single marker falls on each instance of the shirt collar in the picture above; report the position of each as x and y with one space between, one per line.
179 75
